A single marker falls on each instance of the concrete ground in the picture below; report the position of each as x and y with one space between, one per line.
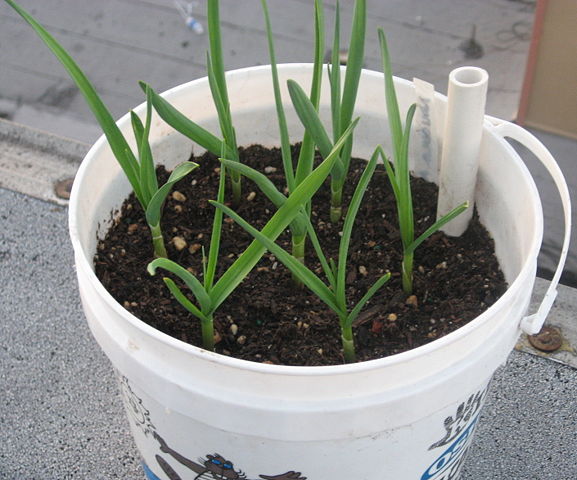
60 411
119 42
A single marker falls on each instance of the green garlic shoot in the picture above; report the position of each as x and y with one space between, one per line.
399 175
343 100
306 156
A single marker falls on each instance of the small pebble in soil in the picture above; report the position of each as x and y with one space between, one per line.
178 196
412 300
269 169
241 340
234 329
132 227
363 271
377 326
179 243
392 317
178 208
195 247
251 196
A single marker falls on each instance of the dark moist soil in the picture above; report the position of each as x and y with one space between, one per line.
267 318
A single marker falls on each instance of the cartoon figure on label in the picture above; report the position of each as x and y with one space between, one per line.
214 467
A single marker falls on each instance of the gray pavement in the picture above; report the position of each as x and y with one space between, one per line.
119 42
62 417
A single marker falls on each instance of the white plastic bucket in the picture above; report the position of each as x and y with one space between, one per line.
407 416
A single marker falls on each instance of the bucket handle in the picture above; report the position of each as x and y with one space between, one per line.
532 324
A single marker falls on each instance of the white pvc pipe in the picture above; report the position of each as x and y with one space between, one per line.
467 94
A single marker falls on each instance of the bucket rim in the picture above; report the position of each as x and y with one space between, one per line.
83 263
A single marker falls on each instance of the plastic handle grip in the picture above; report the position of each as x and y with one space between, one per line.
532 324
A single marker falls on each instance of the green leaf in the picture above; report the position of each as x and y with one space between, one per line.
335 75
215 235
366 297
355 61
349 223
307 152
392 178
277 224
304 274
183 300
117 142
312 123
153 211
282 123
184 125
188 278
319 54
302 221
405 207
319 251
148 178
298 225
261 180
309 118
138 129
147 171
215 42
437 226
391 98
333 266
222 109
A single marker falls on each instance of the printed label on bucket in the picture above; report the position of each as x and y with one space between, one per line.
170 462
449 463
459 431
